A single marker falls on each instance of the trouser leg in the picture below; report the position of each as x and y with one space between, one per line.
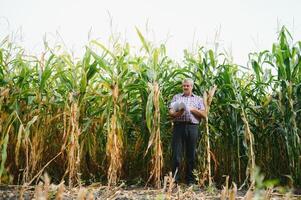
177 148
191 141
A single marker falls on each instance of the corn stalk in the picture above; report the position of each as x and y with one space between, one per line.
153 124
114 141
207 98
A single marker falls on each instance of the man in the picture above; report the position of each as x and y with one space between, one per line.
186 109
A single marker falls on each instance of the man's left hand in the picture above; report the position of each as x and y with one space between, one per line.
198 113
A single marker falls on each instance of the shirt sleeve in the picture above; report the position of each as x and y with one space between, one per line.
174 99
201 105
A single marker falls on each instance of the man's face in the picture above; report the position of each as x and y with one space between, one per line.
187 88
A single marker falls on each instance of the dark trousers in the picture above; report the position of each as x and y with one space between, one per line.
185 136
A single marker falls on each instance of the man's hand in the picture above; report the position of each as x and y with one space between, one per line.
175 114
198 113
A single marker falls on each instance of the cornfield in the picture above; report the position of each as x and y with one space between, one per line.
104 117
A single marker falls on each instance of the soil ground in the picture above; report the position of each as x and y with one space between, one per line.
97 191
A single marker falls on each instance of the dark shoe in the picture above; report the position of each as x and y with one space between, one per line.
190 183
194 187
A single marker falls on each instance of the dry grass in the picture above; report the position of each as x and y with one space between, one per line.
58 192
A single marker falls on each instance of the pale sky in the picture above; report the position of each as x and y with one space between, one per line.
244 25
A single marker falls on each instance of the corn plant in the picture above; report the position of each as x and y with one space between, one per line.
104 116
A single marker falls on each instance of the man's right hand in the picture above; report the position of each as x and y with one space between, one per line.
175 114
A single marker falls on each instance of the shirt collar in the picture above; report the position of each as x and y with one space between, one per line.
192 95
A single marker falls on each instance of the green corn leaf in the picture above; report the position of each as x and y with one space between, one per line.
212 60
142 40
